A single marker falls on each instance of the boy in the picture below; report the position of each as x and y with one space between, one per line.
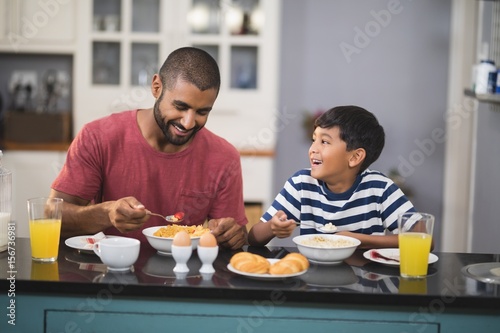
339 188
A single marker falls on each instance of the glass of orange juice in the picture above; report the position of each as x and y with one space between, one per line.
45 228
415 239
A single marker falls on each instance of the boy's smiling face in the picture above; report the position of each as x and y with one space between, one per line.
330 160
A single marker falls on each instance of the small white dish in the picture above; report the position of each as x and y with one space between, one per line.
266 276
80 243
392 253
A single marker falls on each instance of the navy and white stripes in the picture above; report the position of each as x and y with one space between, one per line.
370 206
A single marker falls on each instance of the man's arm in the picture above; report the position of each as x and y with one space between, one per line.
228 233
80 218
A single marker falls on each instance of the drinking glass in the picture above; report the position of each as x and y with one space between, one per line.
415 239
45 216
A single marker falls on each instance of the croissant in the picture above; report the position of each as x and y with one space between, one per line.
250 263
291 263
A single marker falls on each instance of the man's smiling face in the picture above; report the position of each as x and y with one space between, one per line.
183 111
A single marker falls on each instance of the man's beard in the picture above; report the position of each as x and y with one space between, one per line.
165 128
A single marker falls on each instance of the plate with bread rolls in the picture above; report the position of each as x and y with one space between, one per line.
257 267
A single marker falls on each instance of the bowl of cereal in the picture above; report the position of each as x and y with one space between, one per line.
162 237
326 249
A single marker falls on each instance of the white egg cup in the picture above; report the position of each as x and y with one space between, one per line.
181 256
207 256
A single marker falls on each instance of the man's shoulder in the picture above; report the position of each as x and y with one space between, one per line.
120 123
215 144
112 119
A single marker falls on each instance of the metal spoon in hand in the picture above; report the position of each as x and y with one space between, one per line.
328 228
176 218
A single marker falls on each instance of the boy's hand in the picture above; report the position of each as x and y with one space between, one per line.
281 226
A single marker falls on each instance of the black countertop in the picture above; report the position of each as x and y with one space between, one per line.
355 281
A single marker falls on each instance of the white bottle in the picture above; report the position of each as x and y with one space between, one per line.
5 203
482 73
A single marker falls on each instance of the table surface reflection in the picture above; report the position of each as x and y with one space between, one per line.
355 281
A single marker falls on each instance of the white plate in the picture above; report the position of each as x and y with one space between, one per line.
264 276
80 242
392 253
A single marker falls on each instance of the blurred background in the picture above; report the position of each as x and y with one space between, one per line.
63 64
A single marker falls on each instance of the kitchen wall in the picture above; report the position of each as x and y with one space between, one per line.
485 230
389 57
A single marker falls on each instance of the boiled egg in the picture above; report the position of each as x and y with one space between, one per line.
182 239
208 240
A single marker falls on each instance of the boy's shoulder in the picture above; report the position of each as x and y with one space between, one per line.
303 176
375 178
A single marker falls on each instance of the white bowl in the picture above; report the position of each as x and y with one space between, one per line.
163 244
326 255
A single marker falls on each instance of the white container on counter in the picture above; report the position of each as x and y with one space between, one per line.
482 74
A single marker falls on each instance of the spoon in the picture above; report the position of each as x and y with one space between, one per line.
328 228
176 218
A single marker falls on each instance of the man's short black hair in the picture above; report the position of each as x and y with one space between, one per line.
192 65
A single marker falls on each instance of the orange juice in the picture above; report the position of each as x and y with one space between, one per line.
412 286
44 235
414 248
48 271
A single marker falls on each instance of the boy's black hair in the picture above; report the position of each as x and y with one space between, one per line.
358 128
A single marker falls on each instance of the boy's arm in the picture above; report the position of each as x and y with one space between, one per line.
262 232
373 241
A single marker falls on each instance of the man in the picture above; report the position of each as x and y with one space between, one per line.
160 159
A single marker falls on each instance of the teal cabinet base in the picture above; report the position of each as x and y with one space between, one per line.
112 313
119 322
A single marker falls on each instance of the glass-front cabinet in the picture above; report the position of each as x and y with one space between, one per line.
126 41
229 29
128 27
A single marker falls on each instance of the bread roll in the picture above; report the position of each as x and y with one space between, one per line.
290 264
250 263
300 258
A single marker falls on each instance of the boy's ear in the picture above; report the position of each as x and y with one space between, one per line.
357 157
156 86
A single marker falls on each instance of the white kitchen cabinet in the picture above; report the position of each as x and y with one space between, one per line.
33 174
45 26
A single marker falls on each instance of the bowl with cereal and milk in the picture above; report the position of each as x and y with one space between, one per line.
326 249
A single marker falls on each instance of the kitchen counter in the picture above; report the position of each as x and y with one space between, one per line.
78 291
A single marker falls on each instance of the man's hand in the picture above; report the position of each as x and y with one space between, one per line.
228 233
127 214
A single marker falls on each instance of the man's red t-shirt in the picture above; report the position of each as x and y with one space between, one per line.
110 159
